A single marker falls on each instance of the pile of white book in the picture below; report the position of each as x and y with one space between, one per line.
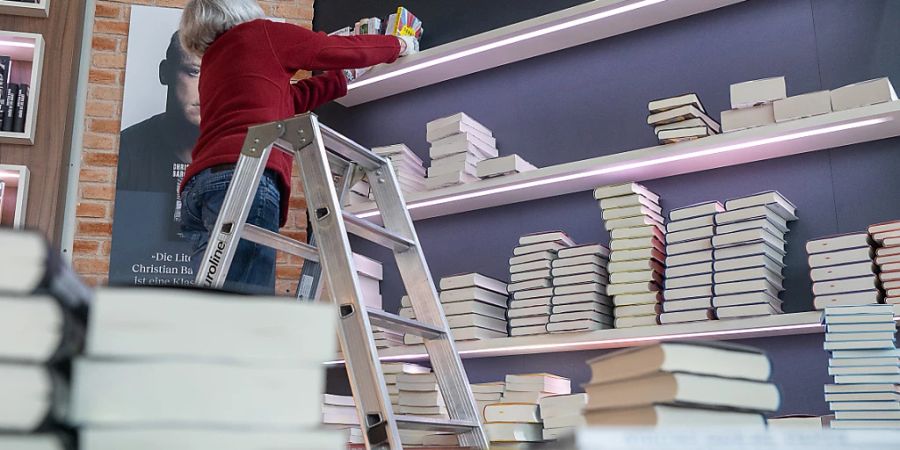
579 300
420 396
392 372
458 143
680 118
865 93
487 393
842 271
752 104
887 236
689 263
632 215
517 419
165 367
339 412
407 165
749 247
562 414
531 281
865 364
502 166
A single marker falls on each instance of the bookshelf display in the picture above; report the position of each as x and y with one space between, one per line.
14 198
26 52
37 8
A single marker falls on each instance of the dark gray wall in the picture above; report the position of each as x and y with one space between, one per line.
591 100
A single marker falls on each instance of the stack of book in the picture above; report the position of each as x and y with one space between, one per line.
420 395
680 118
865 364
387 338
631 213
681 384
41 328
887 257
408 167
562 414
752 104
865 93
689 263
531 281
502 166
842 271
339 412
486 394
458 143
749 249
392 371
517 418
579 300
164 367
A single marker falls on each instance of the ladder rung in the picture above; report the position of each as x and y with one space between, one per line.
377 234
393 322
426 423
344 146
277 241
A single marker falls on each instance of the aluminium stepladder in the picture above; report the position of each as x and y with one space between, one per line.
321 153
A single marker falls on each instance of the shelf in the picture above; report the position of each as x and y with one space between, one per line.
592 21
809 322
24 48
823 132
39 9
15 199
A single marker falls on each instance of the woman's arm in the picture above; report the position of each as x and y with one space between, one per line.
300 49
313 92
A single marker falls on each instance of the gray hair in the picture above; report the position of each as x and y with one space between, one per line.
205 20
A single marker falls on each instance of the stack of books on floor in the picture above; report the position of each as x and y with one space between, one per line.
680 118
632 215
689 263
752 104
842 271
392 371
531 281
339 412
421 396
562 415
408 167
517 419
486 394
166 366
579 300
750 235
865 364
458 144
681 384
887 257
502 166
42 319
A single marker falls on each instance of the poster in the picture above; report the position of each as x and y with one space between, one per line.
160 124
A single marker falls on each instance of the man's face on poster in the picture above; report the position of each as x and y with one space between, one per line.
181 73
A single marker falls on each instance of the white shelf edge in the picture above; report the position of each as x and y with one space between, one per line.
809 322
40 9
822 132
581 24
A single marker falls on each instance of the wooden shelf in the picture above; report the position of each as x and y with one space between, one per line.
823 132
756 327
591 21
39 9
24 48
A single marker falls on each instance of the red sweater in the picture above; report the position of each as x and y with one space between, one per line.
245 80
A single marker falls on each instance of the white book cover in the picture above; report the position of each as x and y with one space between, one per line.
687 305
756 212
636 277
452 179
636 244
741 287
752 273
563 405
773 224
585 288
736 312
535 293
689 246
636 232
636 266
468 158
884 227
766 261
802 106
664 104
864 327
746 118
686 316
846 285
689 123
682 113
576 325
458 118
866 93
539 248
696 210
530 275
436 133
747 237
474 293
528 331
637 321
495 387
689 281
765 198
538 382
582 298
529 302
504 165
690 292
602 308
749 298
529 285
832 336
685 259
617 190
595 316
632 211
546 236
543 310
689 270
476 333
514 432
880 237
859 345
473 307
863 397
598 250
474 320
843 271
579 260
690 235
840 242
758 248
423 398
755 92
581 269
631 222
472 280
638 298
627 201
640 254
637 310
683 134
530 266
853 354
862 254
687 224
887 260
532 257
529 321
512 413
632 288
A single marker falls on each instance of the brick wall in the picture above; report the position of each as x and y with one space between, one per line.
97 180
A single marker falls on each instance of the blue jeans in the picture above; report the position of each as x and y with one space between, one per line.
253 267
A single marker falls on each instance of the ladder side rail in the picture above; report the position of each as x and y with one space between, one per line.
349 149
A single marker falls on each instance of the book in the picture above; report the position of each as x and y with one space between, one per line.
592 269
861 388
533 293
691 234
690 304
636 244
687 316
843 271
538 382
863 397
631 288
477 333
689 292
863 327
504 165
849 256
583 278
859 345
773 224
420 398
594 316
757 92
758 248
38 329
665 104
466 142
763 297
473 280
684 134
530 275
598 250
632 211
641 231
545 237
454 119
681 113
638 298
755 212
542 310
596 288
795 422
474 320
636 265
617 190
628 201
752 273
562 405
802 106
747 237
529 285
864 283
512 413
9 114
665 416
21 108
528 331
576 325
773 199
638 254
754 285
688 281
451 179
579 260
514 432
696 210
529 302
689 246
765 261
438 170
631 222
637 321
474 307
687 224
532 257
637 310
530 266
839 242
35 397
684 259
636 277
832 336
731 312
847 299
861 94
539 248
495 387
161 436
586 297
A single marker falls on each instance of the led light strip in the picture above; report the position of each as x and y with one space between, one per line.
505 42
16 44
639 164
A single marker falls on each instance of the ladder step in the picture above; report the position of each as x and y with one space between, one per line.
350 150
393 322
374 233
277 241
429 424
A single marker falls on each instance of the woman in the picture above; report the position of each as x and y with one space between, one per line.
245 80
